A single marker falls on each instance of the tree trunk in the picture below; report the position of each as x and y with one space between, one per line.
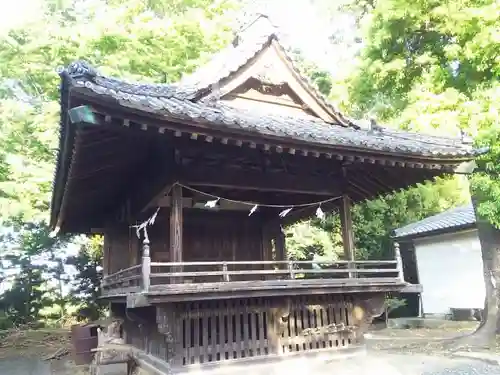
489 237
485 334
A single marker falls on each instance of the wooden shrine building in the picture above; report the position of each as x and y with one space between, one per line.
215 166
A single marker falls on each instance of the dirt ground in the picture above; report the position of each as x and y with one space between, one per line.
33 343
29 348
420 340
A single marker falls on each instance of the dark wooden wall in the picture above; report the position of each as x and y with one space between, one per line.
207 236
121 249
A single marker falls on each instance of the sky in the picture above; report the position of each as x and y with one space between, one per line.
309 28
16 12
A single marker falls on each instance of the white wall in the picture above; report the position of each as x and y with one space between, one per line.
450 270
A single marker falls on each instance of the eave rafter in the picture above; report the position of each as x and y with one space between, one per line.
198 132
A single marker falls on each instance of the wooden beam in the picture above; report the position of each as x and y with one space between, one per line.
254 180
176 224
347 230
267 246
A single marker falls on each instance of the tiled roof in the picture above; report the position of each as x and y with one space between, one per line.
181 101
453 218
170 101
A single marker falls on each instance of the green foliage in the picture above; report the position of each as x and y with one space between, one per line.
375 220
320 78
86 290
28 139
125 39
436 45
485 183
304 241
433 66
393 303
147 40
35 259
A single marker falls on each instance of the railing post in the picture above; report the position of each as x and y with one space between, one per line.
146 265
399 262
224 272
352 274
290 270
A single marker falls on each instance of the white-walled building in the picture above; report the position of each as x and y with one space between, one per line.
443 254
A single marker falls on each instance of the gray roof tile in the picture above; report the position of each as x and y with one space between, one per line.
168 101
453 218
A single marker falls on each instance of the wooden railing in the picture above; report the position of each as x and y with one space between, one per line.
126 278
230 271
235 271
141 277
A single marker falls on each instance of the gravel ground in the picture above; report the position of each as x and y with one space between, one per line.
24 366
402 364
390 352
364 364
35 366
369 363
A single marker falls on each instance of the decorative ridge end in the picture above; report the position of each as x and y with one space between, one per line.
256 25
79 69
466 138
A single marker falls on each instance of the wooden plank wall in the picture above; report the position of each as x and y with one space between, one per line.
122 248
208 236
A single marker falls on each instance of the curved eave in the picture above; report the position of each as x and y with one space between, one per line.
66 139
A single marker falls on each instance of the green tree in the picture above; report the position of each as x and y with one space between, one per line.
433 66
145 40
304 241
124 38
87 286
374 221
24 246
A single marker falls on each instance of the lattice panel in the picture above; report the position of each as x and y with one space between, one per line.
228 330
315 327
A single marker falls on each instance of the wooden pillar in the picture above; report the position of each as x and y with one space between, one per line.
347 231
133 248
267 248
280 245
267 244
176 227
